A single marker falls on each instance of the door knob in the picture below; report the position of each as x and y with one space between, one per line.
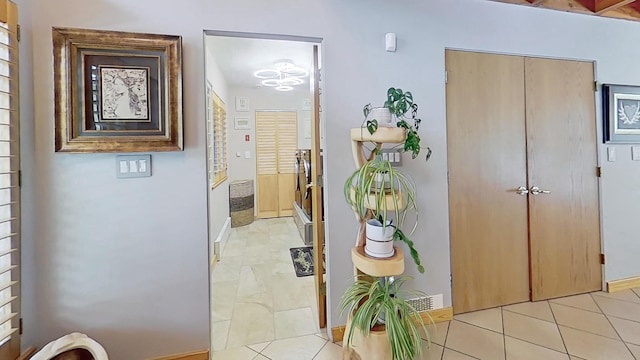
522 190
536 190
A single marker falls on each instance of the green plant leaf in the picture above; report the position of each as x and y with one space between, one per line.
399 235
366 110
372 125
368 298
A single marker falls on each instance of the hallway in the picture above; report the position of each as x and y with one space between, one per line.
256 294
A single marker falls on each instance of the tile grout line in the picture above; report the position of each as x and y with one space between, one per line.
458 351
614 329
614 298
530 342
504 336
319 351
444 343
575 307
558 327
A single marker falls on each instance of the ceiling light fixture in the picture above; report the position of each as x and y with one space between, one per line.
283 76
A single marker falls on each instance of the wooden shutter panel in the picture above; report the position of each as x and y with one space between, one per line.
9 184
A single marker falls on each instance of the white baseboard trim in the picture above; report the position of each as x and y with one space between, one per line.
221 239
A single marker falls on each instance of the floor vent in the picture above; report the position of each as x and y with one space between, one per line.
427 303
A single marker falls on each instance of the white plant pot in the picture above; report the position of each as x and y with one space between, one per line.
382 115
379 242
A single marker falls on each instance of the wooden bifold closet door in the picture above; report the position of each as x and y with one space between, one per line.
276 144
514 123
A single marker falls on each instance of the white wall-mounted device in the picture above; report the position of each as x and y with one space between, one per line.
390 41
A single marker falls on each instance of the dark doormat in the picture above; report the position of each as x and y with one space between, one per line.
302 258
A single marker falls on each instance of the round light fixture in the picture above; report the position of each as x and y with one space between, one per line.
283 77
266 73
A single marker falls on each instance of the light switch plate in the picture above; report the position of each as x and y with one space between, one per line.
132 166
635 153
611 153
393 155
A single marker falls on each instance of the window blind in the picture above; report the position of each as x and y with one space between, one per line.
9 184
217 132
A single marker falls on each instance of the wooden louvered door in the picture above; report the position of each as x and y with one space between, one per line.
276 144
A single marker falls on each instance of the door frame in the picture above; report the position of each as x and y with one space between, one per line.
317 143
598 127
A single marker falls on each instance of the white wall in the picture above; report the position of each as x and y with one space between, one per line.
218 197
261 99
27 165
125 260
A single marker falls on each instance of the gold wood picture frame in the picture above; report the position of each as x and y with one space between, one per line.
117 91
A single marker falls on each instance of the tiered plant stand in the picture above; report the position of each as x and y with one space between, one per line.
376 345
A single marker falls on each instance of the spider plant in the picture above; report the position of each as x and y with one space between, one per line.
368 299
367 194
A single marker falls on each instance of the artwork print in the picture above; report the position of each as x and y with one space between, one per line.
124 93
627 113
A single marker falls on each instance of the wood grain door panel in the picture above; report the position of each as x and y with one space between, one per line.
561 145
276 144
267 196
487 162
286 194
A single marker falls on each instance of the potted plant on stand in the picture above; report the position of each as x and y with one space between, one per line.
379 194
378 309
399 105
381 324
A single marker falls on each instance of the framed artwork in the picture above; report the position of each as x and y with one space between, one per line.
117 91
621 104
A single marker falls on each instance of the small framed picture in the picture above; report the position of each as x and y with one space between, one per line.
241 123
621 104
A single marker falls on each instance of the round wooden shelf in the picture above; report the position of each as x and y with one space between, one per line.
381 135
392 201
392 266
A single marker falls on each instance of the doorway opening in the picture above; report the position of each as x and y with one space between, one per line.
265 204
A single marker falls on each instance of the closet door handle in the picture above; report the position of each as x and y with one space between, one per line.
522 190
536 190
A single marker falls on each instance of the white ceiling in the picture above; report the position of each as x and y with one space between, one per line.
239 58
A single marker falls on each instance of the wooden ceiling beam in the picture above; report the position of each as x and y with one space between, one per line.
589 4
606 5
635 6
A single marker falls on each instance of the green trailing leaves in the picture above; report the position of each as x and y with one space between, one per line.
400 236
368 299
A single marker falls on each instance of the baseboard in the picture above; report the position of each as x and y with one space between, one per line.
623 284
439 315
221 240
196 355
27 354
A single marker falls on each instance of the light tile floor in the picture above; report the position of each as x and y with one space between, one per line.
262 322
256 296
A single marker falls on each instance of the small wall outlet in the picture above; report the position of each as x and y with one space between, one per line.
130 166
